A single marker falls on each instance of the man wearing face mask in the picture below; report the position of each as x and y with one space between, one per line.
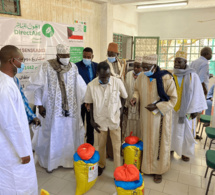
32 118
17 169
191 100
103 94
132 112
156 92
87 69
118 70
117 67
59 93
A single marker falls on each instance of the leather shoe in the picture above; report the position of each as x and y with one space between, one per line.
100 170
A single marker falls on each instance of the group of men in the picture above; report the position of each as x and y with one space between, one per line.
157 106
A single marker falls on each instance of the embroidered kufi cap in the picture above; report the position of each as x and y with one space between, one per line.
139 59
181 54
62 49
151 59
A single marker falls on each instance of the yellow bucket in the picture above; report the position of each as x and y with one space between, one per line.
132 155
86 175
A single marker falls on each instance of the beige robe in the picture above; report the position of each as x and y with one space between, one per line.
118 68
146 93
131 122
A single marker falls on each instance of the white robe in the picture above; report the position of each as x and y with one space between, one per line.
59 137
183 142
15 142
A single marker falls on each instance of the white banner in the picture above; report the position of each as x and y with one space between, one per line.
38 40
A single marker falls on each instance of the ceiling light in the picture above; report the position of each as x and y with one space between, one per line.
147 6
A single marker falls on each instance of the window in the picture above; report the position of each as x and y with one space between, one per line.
117 38
11 7
125 45
168 49
144 46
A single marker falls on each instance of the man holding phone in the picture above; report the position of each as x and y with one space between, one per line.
156 92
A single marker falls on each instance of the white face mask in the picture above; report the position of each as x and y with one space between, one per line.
64 61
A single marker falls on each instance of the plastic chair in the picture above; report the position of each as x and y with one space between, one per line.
205 119
210 132
210 160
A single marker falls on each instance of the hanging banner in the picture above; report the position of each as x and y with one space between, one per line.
38 40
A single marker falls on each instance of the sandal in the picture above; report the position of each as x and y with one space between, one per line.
157 178
47 171
185 158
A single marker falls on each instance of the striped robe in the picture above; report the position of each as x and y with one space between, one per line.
118 68
146 93
132 120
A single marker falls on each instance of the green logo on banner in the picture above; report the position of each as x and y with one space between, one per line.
48 30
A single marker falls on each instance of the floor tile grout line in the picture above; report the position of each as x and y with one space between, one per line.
57 178
45 182
164 185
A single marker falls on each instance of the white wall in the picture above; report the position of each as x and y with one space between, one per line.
178 24
106 29
125 20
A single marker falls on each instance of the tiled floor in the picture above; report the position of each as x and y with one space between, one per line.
183 178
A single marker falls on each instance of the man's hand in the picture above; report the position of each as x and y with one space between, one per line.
193 115
205 89
151 107
133 101
26 159
87 106
36 121
125 111
95 126
42 111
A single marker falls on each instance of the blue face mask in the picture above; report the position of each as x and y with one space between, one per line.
19 70
111 59
136 74
149 73
103 83
87 62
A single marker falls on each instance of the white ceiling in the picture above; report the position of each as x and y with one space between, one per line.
192 4
137 2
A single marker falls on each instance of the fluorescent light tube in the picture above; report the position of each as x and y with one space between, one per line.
160 5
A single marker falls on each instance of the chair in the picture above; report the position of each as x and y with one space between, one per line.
210 160
205 119
210 132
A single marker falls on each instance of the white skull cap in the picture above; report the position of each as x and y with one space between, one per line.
62 49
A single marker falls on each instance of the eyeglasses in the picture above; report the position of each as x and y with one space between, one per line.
20 59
